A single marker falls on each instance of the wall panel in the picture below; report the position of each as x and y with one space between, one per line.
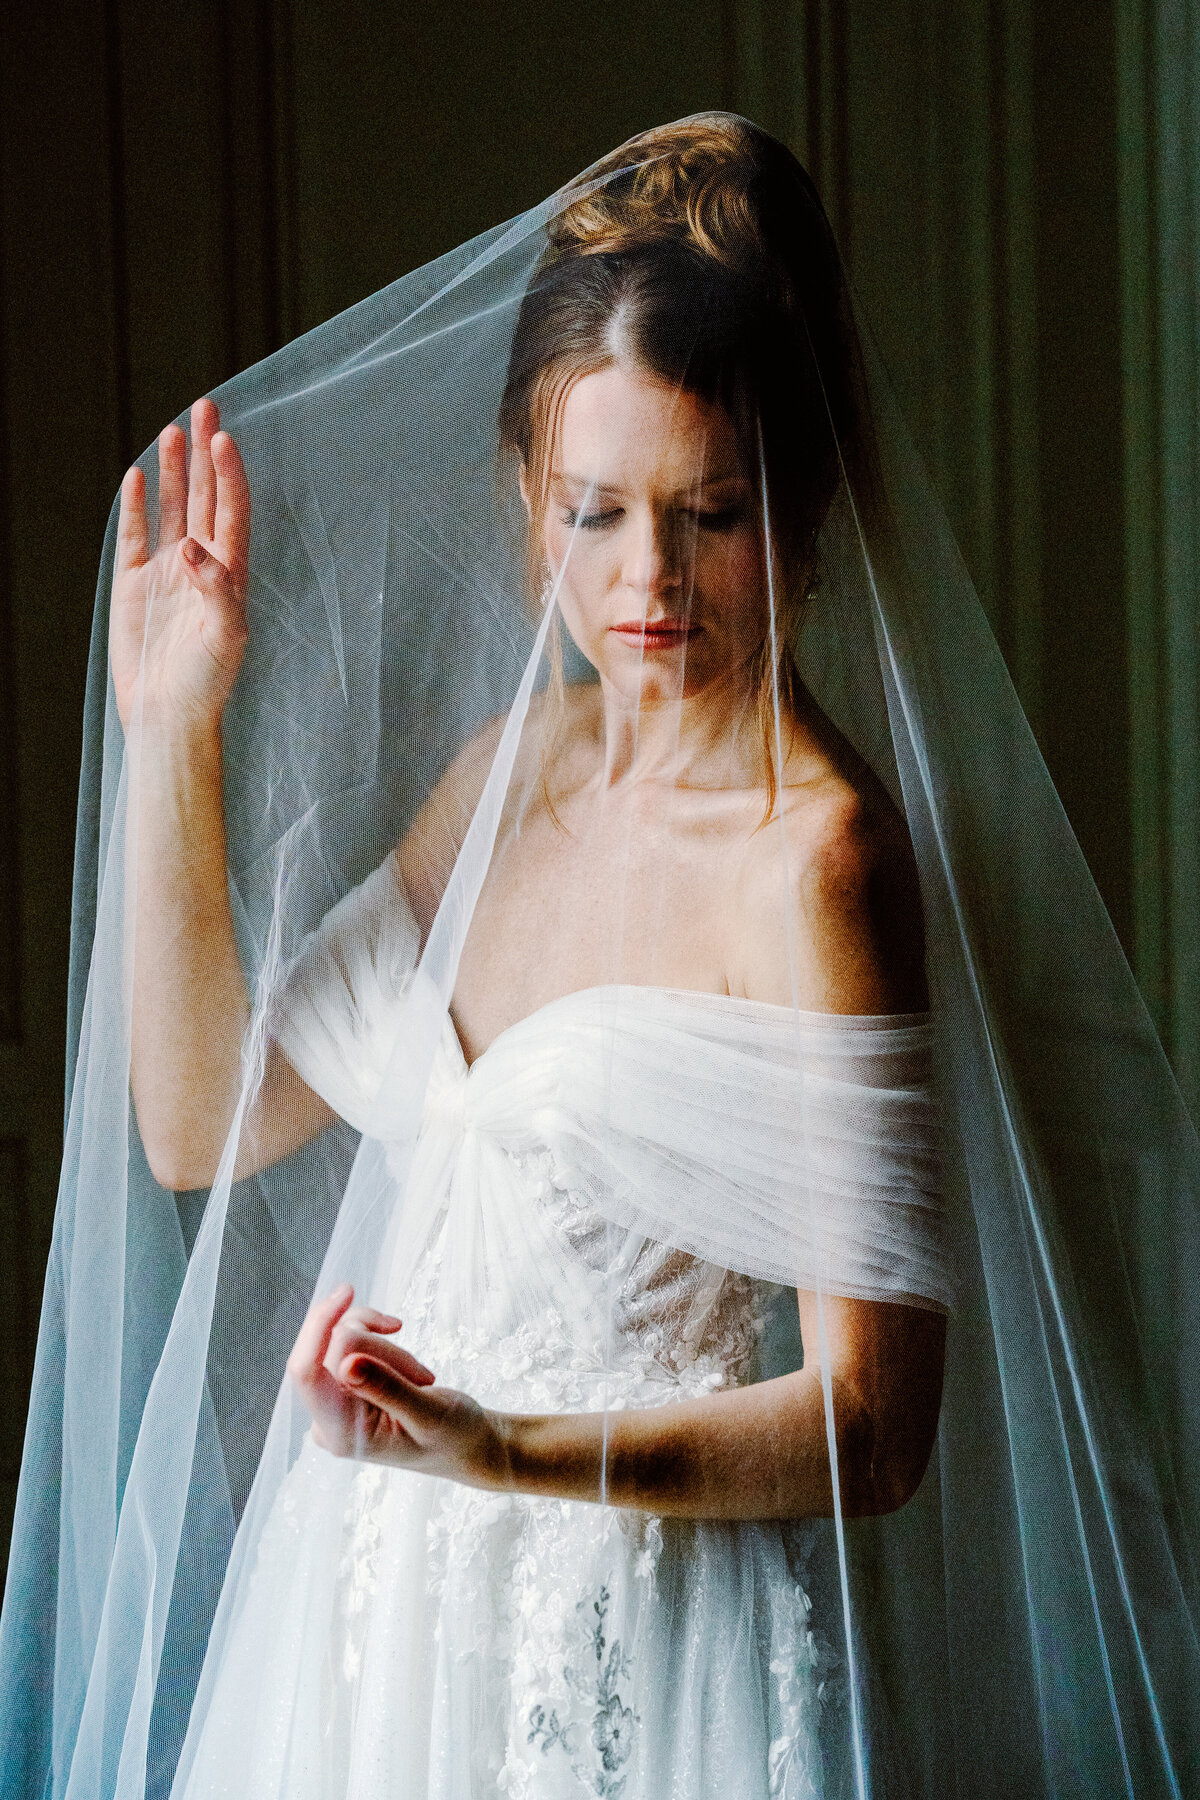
60 425
1159 167
1085 724
415 128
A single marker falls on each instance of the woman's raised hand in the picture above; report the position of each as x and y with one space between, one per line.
371 1399
179 614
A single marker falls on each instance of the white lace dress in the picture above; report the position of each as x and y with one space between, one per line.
404 1638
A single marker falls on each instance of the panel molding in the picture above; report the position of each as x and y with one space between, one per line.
1159 158
915 121
788 70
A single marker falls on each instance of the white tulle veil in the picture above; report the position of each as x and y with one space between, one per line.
1025 1625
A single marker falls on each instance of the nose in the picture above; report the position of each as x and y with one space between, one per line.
653 563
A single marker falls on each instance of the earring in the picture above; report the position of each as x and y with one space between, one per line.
547 587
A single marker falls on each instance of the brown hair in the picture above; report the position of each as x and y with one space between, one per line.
701 251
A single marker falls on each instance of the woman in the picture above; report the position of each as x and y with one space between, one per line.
654 823
633 1022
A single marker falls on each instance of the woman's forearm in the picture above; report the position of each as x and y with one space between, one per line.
177 635
757 1452
190 1002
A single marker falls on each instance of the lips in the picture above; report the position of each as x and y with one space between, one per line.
655 634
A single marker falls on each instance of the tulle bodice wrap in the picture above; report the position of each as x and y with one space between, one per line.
790 1147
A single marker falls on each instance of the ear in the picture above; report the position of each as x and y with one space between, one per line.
523 484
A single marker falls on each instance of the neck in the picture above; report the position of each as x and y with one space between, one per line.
698 740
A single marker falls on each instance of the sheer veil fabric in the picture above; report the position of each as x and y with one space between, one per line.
608 1203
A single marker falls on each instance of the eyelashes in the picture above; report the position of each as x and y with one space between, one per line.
721 519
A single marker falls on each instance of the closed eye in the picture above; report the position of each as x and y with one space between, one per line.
722 518
593 521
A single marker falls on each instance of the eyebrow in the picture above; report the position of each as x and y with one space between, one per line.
722 479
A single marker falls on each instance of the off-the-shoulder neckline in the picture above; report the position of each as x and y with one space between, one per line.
770 1011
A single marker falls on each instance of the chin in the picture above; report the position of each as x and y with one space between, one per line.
659 682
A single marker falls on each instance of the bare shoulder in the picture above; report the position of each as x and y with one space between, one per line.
830 894
842 835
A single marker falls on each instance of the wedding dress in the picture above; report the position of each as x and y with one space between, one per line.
404 1635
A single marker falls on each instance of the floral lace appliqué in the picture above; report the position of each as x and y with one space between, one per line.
612 1724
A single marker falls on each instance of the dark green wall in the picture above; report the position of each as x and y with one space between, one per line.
1085 705
185 186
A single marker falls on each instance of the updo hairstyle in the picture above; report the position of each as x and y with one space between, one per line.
701 252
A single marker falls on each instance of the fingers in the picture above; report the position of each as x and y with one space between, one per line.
363 1329
132 540
342 1411
367 1318
332 1406
371 1382
231 518
414 1406
211 500
312 1340
172 486
202 480
390 1357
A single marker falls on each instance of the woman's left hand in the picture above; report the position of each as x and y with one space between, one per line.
372 1400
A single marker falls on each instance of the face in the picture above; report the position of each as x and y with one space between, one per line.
652 525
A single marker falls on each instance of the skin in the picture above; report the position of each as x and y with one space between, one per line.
181 605
649 863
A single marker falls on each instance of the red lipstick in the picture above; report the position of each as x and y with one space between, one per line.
655 634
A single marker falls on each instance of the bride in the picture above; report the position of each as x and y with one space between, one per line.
624 1227
487 1626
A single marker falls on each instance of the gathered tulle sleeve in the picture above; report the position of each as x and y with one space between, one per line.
802 1149
799 1148
338 1009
